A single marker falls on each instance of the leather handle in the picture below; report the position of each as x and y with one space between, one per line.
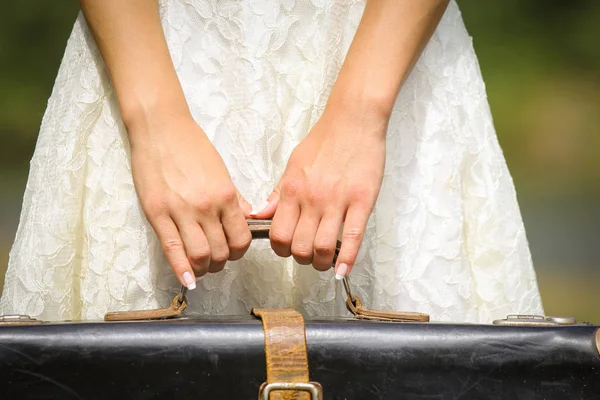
260 228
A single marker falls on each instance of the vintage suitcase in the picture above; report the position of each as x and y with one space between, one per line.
168 354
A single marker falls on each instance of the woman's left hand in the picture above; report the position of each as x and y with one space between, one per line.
332 177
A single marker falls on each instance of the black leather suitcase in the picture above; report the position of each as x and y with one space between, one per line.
167 354
196 358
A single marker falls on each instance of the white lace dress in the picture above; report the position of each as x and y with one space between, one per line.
446 236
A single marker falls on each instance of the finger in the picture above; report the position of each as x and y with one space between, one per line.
326 240
304 236
283 227
268 210
219 250
237 233
352 236
196 246
174 250
244 205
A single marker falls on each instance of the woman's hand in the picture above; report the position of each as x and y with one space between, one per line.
181 181
187 196
335 174
332 177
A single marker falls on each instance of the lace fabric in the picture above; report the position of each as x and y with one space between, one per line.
446 236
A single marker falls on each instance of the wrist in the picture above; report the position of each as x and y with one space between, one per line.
374 105
354 117
141 113
371 112
138 110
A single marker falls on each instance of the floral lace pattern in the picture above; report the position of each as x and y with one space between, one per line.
446 236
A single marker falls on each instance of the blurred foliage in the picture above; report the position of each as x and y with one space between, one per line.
33 36
541 64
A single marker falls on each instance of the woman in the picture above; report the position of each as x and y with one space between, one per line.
370 119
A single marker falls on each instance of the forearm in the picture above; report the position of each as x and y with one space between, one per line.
132 43
388 42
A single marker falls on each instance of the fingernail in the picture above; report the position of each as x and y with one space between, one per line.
256 210
189 280
341 271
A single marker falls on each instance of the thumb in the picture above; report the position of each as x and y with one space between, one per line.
268 210
244 205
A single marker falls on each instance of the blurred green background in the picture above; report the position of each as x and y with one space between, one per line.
541 64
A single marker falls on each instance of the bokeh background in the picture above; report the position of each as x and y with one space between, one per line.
541 64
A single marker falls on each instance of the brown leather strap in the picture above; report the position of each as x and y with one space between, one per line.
178 304
285 350
356 307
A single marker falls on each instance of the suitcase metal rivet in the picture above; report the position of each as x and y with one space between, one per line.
14 319
535 320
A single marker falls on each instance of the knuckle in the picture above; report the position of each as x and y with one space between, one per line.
155 208
324 249
240 245
302 251
302 260
360 191
291 187
200 256
352 235
316 198
172 245
362 196
235 255
244 240
216 266
280 239
321 265
220 256
281 251
200 270
202 205
227 194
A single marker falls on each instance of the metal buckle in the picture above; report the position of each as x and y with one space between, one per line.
313 389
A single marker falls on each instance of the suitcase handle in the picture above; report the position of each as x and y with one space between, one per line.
260 228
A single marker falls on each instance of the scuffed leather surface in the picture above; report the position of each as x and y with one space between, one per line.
224 359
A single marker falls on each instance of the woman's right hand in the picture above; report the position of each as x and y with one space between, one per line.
187 196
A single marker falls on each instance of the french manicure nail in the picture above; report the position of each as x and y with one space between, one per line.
256 210
341 271
189 280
